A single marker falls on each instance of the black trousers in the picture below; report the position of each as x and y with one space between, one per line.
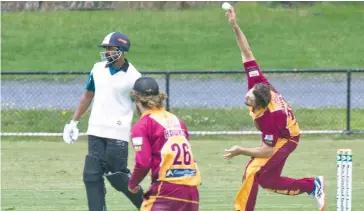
112 153
109 158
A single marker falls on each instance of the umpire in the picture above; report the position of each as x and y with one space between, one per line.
109 85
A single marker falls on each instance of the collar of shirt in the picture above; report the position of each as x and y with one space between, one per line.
258 113
150 111
123 68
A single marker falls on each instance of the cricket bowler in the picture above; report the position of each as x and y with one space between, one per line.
280 137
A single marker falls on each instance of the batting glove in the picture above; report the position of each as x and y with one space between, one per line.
70 132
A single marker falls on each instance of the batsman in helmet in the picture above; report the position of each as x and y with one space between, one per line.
109 85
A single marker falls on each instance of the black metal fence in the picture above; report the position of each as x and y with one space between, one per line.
323 100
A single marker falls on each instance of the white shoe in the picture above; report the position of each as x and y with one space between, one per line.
319 192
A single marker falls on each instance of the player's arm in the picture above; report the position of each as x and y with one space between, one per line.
269 140
246 53
185 130
254 74
82 107
86 98
265 151
143 156
70 131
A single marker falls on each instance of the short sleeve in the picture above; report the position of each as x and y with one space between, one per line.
90 85
254 74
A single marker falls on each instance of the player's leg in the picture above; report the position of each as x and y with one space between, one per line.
319 192
194 199
171 197
150 197
117 160
246 197
93 174
166 204
269 176
182 197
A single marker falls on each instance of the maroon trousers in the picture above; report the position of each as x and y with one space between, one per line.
266 172
163 196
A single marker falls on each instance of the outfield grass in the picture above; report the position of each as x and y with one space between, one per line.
206 119
44 175
323 36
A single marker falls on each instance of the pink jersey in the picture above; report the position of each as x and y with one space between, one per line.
161 144
277 119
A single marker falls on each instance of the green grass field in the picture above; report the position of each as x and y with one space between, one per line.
47 175
207 119
326 35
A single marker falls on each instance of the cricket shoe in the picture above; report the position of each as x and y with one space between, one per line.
319 192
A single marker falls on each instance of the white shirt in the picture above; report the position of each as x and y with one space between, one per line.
112 111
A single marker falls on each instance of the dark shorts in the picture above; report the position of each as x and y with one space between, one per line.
164 196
